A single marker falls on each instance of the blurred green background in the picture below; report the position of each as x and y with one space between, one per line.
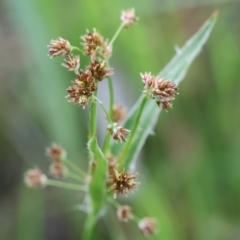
189 171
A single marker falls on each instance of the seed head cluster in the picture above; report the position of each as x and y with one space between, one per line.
128 17
122 182
118 133
34 178
59 47
56 153
163 91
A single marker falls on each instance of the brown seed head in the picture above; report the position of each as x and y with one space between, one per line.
147 226
59 47
124 213
99 70
119 133
122 182
34 178
56 153
82 89
58 170
128 17
94 45
72 63
119 113
164 93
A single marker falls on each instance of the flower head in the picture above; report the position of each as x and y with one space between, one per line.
82 89
124 213
128 17
119 133
94 44
56 153
58 170
119 113
163 91
122 182
59 47
99 70
34 178
72 63
147 226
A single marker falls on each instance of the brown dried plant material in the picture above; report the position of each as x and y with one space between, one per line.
100 70
82 89
59 47
58 170
122 182
72 63
147 226
124 213
119 113
118 133
56 153
163 91
34 178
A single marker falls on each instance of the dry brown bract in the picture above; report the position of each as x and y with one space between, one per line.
58 170
72 63
124 213
118 133
99 70
147 226
129 17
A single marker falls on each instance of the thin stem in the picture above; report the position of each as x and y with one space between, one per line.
74 167
93 117
111 97
132 134
75 176
114 203
104 109
69 186
78 49
116 34
106 143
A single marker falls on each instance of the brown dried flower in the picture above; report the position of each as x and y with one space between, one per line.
56 153
128 17
163 91
99 70
59 47
122 182
119 113
119 133
94 44
82 89
58 170
72 63
147 226
34 178
124 213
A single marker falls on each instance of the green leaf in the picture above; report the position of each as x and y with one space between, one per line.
175 70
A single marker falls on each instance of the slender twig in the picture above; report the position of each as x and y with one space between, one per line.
74 167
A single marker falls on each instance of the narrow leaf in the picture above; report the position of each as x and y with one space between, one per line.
175 70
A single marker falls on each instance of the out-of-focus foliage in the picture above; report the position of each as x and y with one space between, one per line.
189 171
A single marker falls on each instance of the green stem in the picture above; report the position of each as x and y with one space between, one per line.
89 227
69 186
132 134
105 110
106 144
116 34
74 167
75 176
93 117
111 97
78 49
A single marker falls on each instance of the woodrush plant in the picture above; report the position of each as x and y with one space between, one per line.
109 174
